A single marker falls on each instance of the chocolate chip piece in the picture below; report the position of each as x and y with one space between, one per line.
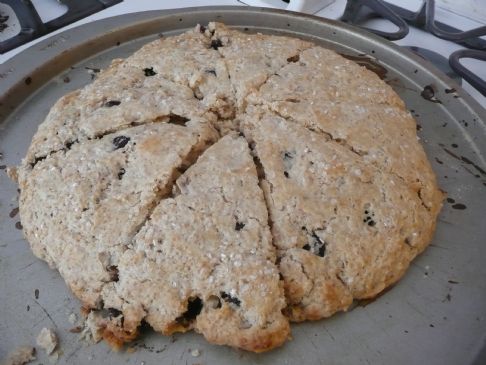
111 103
149 71
314 243
368 219
113 272
239 226
288 161
211 71
120 141
294 58
202 28
216 43
121 172
228 298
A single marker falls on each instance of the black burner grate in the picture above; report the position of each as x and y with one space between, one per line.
32 27
358 10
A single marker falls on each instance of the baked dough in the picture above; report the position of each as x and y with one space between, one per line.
227 182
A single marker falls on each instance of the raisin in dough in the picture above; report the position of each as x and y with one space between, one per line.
205 259
343 228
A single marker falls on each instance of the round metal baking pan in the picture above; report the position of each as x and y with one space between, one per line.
436 314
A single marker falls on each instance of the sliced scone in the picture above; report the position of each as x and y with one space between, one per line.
204 260
191 60
343 228
252 59
354 107
122 96
80 208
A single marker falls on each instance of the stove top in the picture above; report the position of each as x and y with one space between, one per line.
453 42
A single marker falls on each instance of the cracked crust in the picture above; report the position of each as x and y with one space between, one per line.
204 260
334 217
344 200
252 59
353 106
81 207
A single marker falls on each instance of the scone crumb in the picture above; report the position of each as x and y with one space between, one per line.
47 339
72 318
12 173
21 356
195 352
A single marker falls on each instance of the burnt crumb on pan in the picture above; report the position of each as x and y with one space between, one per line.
36 293
111 103
230 299
450 200
66 80
18 225
3 167
216 43
120 141
464 159
438 161
450 91
428 93
447 298
452 282
459 206
13 212
418 127
149 71
454 145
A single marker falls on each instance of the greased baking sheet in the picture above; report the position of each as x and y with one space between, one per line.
435 315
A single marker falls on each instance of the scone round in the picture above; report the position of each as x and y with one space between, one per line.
227 182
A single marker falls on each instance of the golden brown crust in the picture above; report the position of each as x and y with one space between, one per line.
120 195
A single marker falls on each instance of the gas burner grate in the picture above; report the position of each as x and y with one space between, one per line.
358 10
32 27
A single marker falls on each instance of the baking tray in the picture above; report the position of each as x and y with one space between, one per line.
436 314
